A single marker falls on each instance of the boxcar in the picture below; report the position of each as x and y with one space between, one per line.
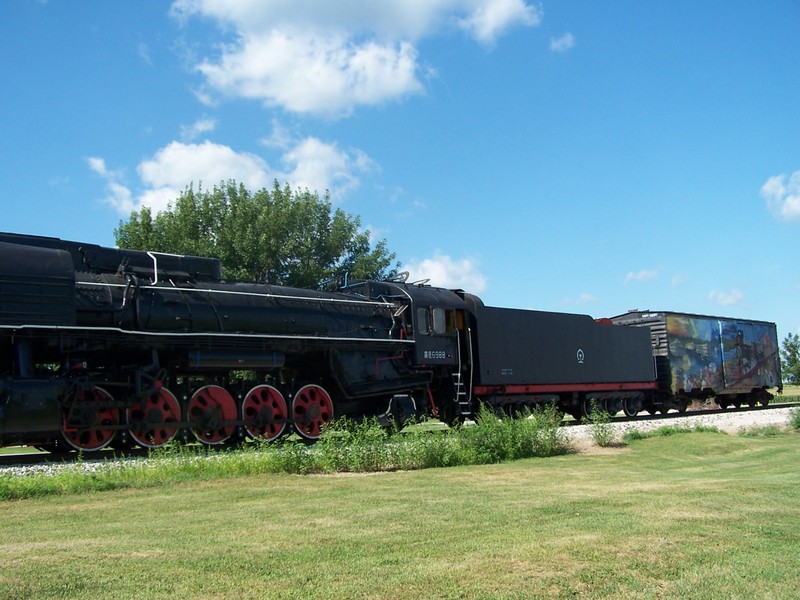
732 360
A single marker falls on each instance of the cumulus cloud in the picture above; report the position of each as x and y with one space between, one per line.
323 58
309 163
312 73
320 166
490 19
177 165
445 271
725 298
645 275
563 43
782 194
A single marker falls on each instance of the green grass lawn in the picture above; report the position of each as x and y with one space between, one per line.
790 392
702 515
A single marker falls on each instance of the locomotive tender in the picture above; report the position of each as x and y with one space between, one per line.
104 346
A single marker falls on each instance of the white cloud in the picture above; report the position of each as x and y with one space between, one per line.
393 19
310 73
320 166
725 298
198 128
491 18
118 195
174 167
447 272
177 165
98 165
563 43
309 163
782 194
323 58
645 275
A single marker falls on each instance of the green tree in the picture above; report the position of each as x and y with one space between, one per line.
275 236
790 359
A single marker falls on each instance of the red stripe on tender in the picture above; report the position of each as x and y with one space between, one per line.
510 390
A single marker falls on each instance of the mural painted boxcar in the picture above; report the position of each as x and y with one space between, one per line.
699 356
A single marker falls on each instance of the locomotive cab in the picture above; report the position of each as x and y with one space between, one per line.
436 334
432 317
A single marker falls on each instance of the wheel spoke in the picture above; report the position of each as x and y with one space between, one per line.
312 410
264 413
149 421
83 428
210 413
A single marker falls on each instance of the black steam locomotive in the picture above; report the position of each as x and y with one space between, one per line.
103 346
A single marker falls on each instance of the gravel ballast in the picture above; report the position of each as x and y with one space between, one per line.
730 422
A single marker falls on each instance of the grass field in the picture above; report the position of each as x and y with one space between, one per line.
790 392
696 515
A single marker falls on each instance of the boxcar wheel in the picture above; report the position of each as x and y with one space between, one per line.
630 407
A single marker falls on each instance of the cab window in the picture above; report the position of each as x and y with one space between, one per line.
423 321
439 321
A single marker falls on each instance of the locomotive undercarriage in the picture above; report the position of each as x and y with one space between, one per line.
582 404
576 404
186 394
96 414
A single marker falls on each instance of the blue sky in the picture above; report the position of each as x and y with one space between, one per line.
575 156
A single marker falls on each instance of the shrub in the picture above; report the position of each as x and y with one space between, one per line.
795 419
600 425
496 438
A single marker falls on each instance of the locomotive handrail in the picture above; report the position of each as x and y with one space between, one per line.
195 334
155 267
152 255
